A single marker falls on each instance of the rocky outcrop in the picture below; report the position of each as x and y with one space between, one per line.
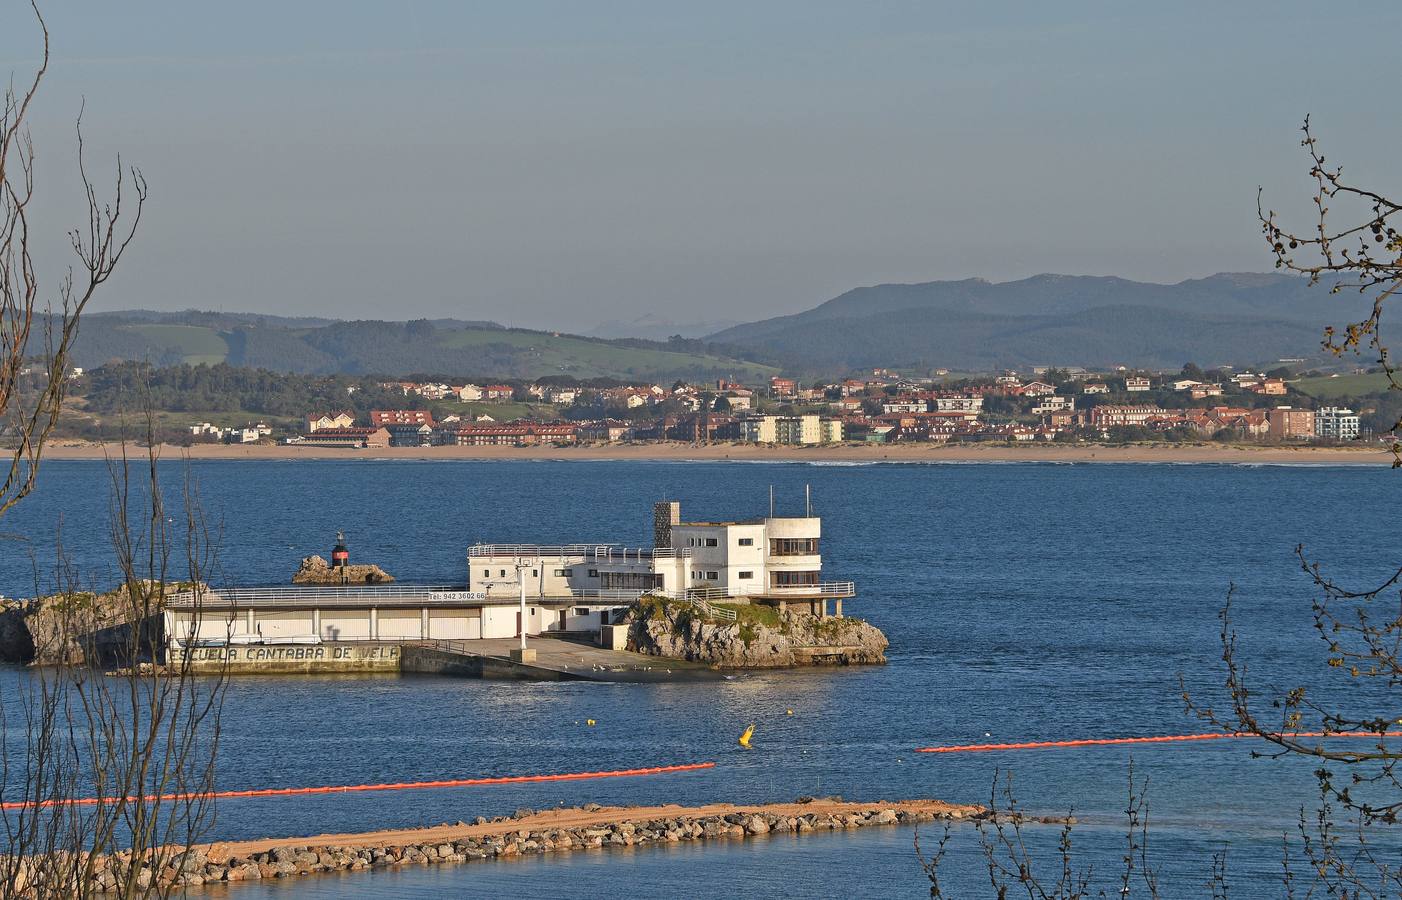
316 570
759 638
80 628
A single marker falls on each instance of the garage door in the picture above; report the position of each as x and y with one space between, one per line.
455 624
345 625
400 624
273 625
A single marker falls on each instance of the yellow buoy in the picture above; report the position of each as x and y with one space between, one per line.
588 721
745 738
790 712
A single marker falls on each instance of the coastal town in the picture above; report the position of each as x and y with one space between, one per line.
1044 404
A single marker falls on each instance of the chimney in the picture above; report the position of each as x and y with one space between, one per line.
665 514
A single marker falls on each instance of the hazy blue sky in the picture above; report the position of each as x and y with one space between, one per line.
560 164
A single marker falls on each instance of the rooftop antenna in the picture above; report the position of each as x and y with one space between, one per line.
808 501
771 501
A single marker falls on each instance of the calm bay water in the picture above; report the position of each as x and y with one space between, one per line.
1023 602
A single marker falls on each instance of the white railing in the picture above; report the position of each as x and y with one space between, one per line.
439 595
821 589
588 551
329 594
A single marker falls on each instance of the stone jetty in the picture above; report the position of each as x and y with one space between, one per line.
583 828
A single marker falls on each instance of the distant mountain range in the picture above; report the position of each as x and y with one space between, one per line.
1050 319
970 325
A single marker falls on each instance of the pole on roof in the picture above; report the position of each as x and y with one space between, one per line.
771 501
808 501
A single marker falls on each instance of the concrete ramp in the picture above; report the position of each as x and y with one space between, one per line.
556 660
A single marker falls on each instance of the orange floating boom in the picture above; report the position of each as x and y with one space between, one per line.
1155 739
357 788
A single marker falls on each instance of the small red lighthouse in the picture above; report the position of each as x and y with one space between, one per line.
340 556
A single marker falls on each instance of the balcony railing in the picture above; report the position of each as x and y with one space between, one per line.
821 589
587 551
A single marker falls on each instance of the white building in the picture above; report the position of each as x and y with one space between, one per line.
1136 383
1336 423
972 403
774 559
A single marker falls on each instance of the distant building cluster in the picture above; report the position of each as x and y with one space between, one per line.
1052 404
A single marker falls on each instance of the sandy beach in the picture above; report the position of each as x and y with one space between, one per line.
843 453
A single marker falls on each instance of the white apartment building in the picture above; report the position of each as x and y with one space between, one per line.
959 404
806 429
774 559
1336 423
1054 403
1136 383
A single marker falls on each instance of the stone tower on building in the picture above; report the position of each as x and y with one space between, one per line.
665 514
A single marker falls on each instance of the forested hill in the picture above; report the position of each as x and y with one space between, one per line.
467 349
980 325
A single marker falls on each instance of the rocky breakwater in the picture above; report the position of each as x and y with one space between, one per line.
584 828
759 637
316 570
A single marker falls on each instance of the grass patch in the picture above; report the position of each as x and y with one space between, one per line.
547 353
754 614
1344 386
197 343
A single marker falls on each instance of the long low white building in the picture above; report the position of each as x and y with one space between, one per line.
569 588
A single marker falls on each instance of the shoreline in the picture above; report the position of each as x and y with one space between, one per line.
842 453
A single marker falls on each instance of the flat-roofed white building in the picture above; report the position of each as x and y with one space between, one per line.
1336 423
568 588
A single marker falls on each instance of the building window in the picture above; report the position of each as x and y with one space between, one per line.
793 579
712 542
746 575
581 610
503 573
593 573
793 546
564 573
747 542
486 573
712 576
535 574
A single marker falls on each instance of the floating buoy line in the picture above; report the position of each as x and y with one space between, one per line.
362 788
1153 739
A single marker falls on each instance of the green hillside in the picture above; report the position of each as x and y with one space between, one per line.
1327 388
559 354
447 349
197 343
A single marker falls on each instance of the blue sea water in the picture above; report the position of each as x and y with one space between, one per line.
1023 602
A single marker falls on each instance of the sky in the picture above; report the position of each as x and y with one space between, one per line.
557 165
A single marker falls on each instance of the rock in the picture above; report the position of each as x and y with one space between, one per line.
885 817
757 825
316 570
682 630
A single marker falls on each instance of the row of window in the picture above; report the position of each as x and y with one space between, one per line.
715 542
715 576
535 573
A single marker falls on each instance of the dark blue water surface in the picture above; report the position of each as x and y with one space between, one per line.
1022 601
